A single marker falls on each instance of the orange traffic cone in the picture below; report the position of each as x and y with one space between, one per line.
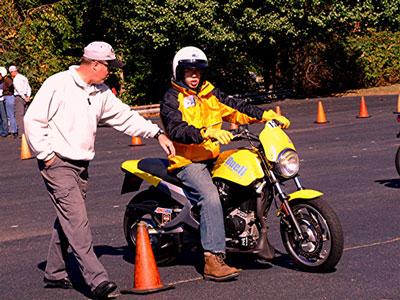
278 110
234 126
25 151
398 104
137 141
146 276
363 109
321 117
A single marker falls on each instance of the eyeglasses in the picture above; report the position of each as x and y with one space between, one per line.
105 64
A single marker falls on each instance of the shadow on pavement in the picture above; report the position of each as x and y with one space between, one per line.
189 256
391 183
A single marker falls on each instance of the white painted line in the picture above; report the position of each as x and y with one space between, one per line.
186 280
115 206
373 244
14 226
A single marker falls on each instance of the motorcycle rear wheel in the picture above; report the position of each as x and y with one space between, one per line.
321 247
397 161
164 246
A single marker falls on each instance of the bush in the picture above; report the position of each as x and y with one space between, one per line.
377 54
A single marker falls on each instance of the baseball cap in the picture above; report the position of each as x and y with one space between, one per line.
102 51
12 69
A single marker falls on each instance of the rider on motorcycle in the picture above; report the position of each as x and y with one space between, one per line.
192 112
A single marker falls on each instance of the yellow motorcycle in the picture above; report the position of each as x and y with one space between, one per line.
249 180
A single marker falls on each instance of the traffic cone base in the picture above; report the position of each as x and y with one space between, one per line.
321 117
25 151
363 109
137 141
146 275
148 291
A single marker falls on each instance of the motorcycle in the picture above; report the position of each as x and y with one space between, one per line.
249 180
397 158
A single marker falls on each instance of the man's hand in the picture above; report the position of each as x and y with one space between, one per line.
222 136
167 145
271 115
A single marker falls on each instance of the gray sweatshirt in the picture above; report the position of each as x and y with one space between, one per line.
64 114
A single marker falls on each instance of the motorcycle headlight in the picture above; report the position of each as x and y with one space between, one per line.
287 164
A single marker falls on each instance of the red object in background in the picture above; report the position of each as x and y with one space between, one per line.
114 91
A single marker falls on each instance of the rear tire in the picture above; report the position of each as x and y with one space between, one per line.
322 246
164 245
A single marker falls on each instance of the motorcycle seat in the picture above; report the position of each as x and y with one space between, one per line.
158 167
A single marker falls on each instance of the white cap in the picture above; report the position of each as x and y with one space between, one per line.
12 68
102 51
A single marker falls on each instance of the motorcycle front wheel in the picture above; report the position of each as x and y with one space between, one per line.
164 246
397 161
320 246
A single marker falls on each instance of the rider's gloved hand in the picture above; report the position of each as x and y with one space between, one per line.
222 136
271 115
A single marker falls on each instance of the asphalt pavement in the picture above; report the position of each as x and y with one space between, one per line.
351 160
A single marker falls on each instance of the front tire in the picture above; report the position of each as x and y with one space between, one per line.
397 161
164 246
321 245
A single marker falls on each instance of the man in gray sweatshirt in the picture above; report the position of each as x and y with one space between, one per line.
60 126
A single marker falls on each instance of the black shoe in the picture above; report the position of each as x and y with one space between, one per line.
104 289
64 283
15 135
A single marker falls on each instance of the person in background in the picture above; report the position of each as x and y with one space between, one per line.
9 101
3 115
192 112
60 126
22 93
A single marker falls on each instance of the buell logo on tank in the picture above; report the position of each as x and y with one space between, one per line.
235 167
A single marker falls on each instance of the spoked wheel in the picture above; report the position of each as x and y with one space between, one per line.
320 246
397 161
163 245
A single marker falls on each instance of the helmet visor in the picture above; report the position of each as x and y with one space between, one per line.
193 64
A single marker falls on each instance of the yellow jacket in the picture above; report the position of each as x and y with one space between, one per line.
186 114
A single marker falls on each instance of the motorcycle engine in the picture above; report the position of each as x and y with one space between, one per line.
241 230
239 205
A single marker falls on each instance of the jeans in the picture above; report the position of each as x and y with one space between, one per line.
3 120
20 108
200 187
10 103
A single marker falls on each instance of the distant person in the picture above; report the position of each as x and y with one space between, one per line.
3 115
60 126
9 101
22 93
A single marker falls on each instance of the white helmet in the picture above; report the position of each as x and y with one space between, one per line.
188 57
3 71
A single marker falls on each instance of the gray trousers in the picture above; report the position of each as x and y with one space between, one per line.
20 108
66 182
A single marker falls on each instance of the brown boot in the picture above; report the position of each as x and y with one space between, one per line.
216 269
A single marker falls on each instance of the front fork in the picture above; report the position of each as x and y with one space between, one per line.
285 207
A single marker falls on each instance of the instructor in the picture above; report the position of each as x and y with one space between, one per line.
60 126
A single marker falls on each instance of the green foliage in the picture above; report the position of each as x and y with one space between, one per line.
38 38
378 56
307 46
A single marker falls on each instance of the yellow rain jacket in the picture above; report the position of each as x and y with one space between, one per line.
186 114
